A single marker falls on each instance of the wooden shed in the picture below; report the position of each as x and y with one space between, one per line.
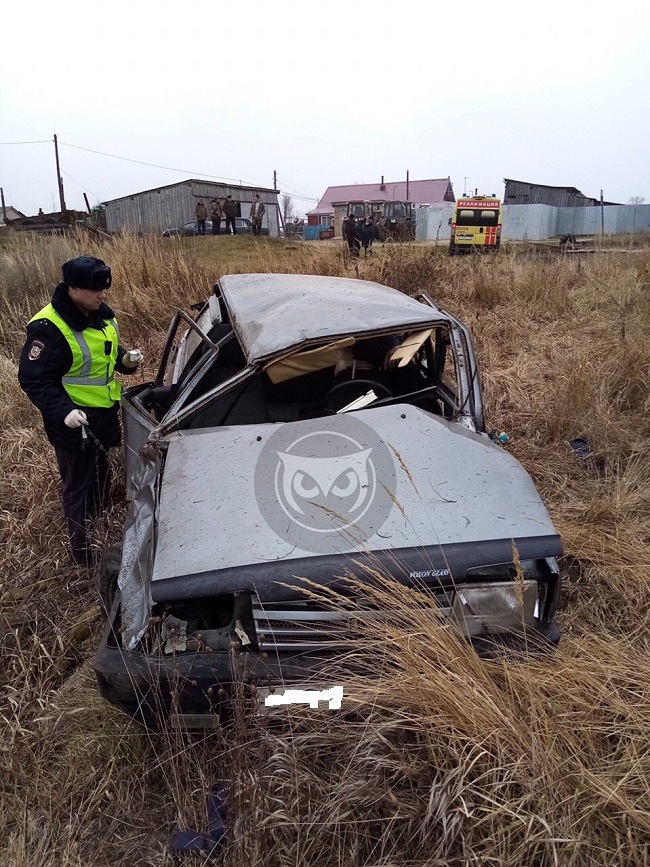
173 205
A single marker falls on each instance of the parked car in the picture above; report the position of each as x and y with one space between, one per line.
309 426
242 224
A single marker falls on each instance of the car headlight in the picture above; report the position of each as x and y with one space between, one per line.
494 607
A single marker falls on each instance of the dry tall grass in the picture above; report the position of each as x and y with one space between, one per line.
442 760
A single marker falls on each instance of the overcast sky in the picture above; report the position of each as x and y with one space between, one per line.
324 93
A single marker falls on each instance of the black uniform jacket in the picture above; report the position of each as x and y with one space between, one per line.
47 357
350 230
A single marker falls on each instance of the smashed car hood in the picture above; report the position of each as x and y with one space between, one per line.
249 505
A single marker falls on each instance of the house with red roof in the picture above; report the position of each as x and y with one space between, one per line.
428 192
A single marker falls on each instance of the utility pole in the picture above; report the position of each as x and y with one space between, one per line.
277 204
602 215
58 176
4 207
87 204
407 186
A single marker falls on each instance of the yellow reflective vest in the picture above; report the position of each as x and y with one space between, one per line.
90 380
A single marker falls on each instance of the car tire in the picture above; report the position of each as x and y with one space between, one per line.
107 572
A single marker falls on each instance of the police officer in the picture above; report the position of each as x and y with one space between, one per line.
67 370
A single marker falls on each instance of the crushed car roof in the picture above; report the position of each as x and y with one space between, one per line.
274 313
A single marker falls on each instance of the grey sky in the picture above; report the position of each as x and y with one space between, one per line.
329 93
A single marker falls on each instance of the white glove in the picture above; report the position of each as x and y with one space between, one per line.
132 358
75 418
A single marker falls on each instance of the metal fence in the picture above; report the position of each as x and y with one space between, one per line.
432 222
539 222
531 222
618 220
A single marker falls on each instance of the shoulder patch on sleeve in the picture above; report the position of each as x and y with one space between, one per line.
36 349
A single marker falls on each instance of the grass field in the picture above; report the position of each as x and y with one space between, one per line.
443 760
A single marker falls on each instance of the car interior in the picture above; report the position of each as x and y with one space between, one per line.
351 373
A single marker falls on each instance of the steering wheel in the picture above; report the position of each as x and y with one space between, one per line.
360 386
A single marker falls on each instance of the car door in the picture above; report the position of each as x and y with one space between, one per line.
460 386
456 369
139 416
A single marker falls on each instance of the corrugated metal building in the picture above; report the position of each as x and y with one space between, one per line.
525 193
173 205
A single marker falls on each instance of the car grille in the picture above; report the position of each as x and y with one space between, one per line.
307 626
299 625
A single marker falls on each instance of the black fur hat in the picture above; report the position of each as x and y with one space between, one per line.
86 272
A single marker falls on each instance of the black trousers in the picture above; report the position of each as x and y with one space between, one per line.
216 225
86 481
230 221
354 245
201 227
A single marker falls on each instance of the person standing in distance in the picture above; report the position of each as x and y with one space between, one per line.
201 213
367 235
67 369
257 214
215 216
351 235
230 211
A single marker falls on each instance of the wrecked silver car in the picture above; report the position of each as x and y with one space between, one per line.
307 427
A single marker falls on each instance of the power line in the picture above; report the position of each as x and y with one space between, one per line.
293 189
79 184
155 165
289 192
298 198
298 192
